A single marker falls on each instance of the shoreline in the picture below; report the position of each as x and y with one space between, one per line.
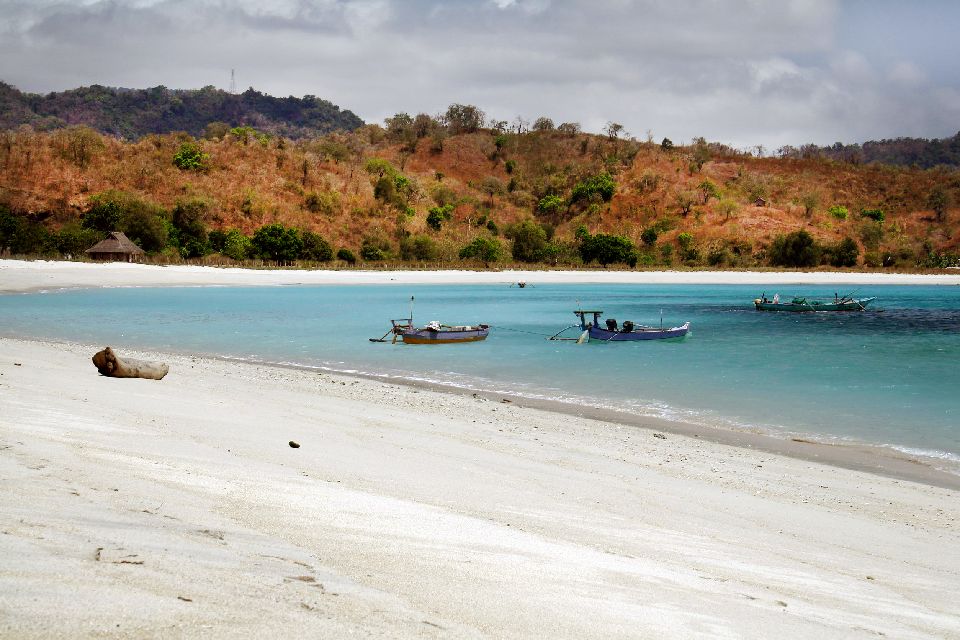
880 459
143 508
20 276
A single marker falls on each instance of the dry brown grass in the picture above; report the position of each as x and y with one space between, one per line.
255 184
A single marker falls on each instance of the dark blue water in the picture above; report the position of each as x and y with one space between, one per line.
889 376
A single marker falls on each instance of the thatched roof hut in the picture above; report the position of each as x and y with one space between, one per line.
117 247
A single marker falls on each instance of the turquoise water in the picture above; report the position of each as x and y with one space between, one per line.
886 377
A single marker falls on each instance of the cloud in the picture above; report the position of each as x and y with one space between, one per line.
741 71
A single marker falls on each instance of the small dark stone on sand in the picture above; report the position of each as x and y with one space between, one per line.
660 435
294 445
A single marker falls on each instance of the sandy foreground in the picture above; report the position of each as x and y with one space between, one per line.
22 275
176 508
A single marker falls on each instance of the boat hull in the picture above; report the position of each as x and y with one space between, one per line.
426 336
605 335
813 305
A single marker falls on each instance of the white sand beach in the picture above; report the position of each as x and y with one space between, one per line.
22 275
176 508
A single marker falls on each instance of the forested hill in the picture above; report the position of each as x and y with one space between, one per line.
133 113
905 152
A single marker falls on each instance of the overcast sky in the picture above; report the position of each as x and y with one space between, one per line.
744 72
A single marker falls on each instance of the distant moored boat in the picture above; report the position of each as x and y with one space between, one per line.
803 304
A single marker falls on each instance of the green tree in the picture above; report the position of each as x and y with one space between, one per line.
607 249
727 207
190 157
144 224
436 216
237 245
701 153
73 240
105 211
529 240
375 248
492 186
649 236
845 253
551 205
708 189
464 118
939 201
797 249
419 248
191 233
20 236
601 184
315 247
542 123
685 201
276 242
346 255
483 248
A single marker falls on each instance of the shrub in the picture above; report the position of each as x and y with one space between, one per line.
326 202
190 157
374 249
845 253
315 247
436 216
346 255
550 205
607 249
276 242
649 236
685 240
529 240
482 248
418 248
797 249
237 245
190 234
74 240
601 184
838 211
510 165
874 214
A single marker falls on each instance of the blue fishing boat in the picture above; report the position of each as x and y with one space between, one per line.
628 331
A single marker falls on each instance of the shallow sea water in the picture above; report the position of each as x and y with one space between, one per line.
889 376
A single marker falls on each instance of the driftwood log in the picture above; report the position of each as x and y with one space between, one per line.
108 364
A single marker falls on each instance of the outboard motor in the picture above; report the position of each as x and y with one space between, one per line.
611 324
627 326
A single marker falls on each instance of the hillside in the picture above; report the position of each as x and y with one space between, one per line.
133 113
423 189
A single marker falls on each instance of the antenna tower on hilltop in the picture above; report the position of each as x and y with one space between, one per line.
233 81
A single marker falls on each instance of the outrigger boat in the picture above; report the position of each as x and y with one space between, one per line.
797 304
626 332
433 332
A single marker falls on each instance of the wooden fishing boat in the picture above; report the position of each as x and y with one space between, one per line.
626 332
436 333
433 332
804 305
